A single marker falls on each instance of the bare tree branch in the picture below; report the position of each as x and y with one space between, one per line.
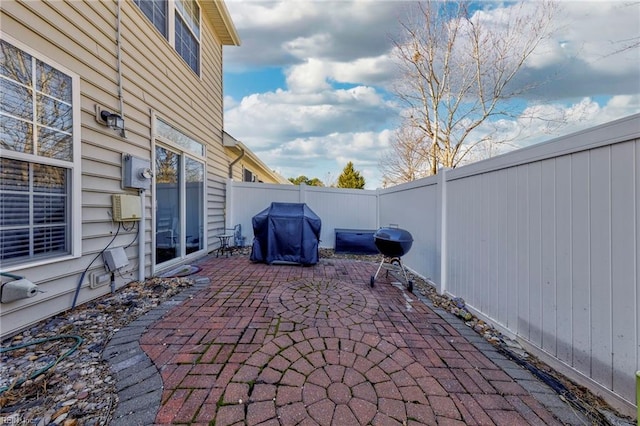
457 72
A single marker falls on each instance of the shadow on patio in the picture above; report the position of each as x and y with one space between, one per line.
258 344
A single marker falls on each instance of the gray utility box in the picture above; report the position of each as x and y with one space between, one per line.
115 259
136 172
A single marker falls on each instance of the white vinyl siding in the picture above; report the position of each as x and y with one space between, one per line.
82 36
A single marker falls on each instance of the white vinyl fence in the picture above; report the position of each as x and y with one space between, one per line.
337 208
543 242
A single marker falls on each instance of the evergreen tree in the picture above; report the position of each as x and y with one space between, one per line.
350 178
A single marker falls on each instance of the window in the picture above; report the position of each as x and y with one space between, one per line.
180 25
187 40
39 157
248 176
174 135
156 11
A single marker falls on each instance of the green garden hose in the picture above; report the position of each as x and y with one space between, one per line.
36 373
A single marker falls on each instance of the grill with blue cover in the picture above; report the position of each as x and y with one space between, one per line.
286 233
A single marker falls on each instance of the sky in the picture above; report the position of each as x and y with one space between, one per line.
310 87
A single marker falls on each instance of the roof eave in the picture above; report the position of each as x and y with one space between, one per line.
217 14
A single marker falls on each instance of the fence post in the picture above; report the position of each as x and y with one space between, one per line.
377 208
638 393
441 286
302 196
228 205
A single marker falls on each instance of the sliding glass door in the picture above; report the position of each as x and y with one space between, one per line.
168 220
194 205
179 196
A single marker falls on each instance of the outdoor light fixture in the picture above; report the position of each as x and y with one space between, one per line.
115 121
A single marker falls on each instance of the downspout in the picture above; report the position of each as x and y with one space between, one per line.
119 70
234 162
141 242
142 223
227 213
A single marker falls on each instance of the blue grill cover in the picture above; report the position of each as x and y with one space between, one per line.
286 232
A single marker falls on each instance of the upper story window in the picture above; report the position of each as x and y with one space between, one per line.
156 11
179 23
248 176
40 158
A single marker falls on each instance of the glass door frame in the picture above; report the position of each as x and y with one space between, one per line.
183 152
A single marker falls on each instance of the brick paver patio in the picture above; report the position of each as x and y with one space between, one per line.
292 345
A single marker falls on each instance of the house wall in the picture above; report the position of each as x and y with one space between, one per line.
81 36
543 243
263 175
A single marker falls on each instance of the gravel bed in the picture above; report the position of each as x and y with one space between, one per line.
79 389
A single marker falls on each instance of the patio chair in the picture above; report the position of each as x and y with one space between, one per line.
238 239
230 239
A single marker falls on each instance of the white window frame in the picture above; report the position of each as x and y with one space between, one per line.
171 31
75 181
158 140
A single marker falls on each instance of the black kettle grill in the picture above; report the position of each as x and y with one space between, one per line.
392 243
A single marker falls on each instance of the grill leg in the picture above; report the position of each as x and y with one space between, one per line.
379 267
404 272
373 277
406 279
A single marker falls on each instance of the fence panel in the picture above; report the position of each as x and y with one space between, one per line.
415 207
337 208
245 200
625 199
342 208
555 226
543 242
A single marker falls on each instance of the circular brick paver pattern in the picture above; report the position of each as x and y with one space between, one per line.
329 380
307 346
322 302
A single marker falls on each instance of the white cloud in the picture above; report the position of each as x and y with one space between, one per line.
313 126
594 30
587 56
269 119
372 70
286 33
230 102
308 77
325 156
542 122
304 47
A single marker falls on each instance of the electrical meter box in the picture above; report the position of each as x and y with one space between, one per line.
136 172
126 207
